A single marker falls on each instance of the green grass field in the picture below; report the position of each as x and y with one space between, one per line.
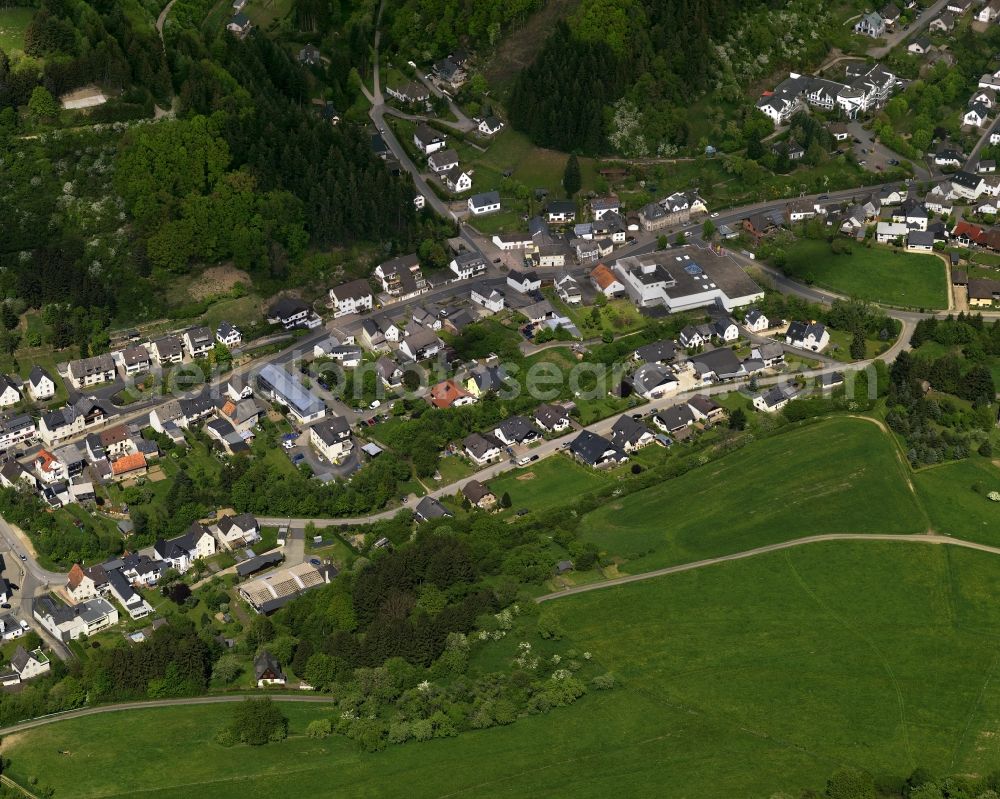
879 274
13 23
819 479
744 679
550 482
954 506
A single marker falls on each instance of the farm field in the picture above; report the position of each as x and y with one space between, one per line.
879 274
744 679
815 480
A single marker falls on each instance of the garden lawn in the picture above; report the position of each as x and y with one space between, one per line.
819 479
877 274
13 23
547 483
745 679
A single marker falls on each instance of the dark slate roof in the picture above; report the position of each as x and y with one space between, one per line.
590 447
429 508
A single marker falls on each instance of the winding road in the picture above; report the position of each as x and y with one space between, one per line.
913 538
41 721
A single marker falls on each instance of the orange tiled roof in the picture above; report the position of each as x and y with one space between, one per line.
603 276
47 459
444 394
129 463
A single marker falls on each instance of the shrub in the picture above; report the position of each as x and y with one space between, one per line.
319 728
548 627
603 682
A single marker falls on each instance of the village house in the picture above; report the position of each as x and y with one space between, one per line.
228 335
16 430
267 671
420 345
481 449
606 282
524 282
181 552
67 623
239 25
768 354
135 360
428 140
350 298
755 321
28 665
675 420
388 372
468 265
705 409
232 532
479 495
442 160
71 420
448 394
10 391
91 371
198 341
807 336
490 126
871 24
41 386
486 203
516 430
568 289
168 350
773 400
331 437
457 180
409 93
630 435
291 313
560 212
490 299
401 276
551 418
276 589
596 451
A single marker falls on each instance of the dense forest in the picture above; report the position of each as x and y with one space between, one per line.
72 43
99 218
437 27
625 75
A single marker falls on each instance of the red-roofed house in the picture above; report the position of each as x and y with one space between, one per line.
448 393
604 281
49 468
133 465
966 233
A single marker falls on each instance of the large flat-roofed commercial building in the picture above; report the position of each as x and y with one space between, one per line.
284 387
684 278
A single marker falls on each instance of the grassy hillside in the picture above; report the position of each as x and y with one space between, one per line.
816 480
742 680
879 274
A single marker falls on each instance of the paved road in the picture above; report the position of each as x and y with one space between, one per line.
899 36
194 700
377 114
918 538
464 124
972 162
